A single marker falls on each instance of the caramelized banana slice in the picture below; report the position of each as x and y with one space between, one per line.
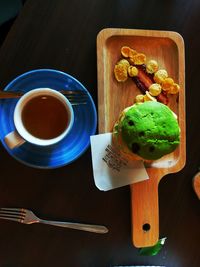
160 75
121 70
132 71
139 98
155 89
174 89
152 66
126 51
167 83
138 59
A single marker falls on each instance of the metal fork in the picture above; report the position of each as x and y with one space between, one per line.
28 217
75 97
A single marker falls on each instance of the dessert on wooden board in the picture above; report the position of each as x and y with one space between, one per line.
162 50
148 129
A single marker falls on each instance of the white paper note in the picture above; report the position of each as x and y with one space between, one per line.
110 168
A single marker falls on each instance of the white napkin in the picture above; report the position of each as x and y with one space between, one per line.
110 168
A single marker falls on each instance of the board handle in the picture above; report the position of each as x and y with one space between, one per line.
145 213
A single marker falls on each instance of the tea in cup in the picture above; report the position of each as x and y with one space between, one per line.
42 116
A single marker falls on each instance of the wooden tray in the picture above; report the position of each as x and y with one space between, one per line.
168 49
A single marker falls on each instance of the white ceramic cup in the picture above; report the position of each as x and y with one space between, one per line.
21 135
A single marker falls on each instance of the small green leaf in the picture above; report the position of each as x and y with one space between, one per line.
154 250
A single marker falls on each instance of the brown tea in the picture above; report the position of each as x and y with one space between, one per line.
45 117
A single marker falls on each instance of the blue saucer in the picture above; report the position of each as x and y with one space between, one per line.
73 145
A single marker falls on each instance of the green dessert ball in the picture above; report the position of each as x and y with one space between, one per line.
150 130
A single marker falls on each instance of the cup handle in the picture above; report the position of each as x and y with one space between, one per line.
13 140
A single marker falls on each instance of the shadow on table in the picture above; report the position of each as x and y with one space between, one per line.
9 10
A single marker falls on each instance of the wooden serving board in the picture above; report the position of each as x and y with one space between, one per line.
167 48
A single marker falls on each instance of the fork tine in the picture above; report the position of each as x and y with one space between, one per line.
20 213
72 100
18 210
75 92
13 214
77 97
10 218
78 103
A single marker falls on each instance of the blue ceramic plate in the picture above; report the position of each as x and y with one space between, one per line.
73 145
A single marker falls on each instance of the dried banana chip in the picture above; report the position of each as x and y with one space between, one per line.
138 59
155 89
121 70
139 98
167 83
132 52
152 66
126 51
124 62
132 71
174 89
160 75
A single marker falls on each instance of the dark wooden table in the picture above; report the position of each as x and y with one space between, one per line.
62 35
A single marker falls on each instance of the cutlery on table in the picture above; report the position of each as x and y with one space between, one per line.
28 217
75 97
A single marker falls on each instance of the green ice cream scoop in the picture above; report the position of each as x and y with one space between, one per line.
149 129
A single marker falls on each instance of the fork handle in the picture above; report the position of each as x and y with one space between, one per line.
10 94
18 94
99 229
